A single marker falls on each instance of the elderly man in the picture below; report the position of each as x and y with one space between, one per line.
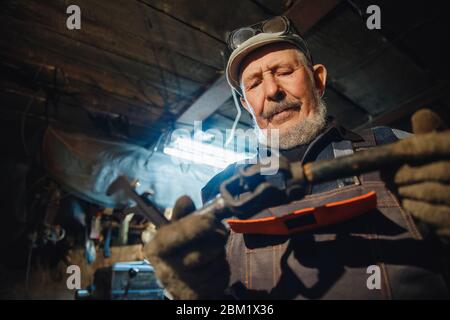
396 250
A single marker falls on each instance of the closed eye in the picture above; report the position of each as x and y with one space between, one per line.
284 72
253 84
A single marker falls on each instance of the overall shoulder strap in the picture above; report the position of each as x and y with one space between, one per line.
384 135
343 148
373 137
368 142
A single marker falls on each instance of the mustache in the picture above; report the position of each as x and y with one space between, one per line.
279 107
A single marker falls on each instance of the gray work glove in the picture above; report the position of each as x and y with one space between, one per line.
189 254
423 189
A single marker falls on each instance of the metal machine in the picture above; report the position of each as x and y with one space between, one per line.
124 281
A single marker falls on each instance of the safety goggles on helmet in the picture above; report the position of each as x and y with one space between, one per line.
278 25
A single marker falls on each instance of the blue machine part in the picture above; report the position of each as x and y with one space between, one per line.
135 281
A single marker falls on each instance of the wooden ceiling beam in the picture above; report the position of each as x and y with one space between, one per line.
129 29
207 103
306 13
421 100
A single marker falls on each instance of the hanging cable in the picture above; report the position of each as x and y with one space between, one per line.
236 120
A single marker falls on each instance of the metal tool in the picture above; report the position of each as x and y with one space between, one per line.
248 192
143 207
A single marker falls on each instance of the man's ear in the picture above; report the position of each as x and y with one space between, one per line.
320 77
244 104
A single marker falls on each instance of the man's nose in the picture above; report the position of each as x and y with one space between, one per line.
272 89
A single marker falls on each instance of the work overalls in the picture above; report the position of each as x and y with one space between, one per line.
381 254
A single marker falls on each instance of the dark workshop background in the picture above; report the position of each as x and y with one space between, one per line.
138 68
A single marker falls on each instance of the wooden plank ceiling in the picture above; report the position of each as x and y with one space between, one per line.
136 65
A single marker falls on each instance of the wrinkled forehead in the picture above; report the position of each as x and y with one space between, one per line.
270 54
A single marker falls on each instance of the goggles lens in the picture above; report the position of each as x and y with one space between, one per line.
242 35
275 25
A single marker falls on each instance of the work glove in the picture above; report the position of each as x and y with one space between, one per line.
423 189
188 254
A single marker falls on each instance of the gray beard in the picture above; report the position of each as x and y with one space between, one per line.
301 133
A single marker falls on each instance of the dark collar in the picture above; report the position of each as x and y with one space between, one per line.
347 134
